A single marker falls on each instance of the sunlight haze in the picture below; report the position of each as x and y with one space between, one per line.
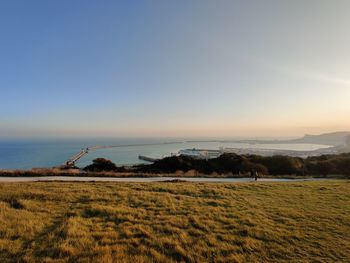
181 68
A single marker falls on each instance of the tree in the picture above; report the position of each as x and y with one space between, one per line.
101 164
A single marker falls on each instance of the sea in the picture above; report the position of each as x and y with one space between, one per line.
38 153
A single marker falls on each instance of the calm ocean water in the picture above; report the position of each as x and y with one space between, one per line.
25 154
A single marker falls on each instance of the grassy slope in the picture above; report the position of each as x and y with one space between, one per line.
124 222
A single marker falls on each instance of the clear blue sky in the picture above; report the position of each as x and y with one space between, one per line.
174 68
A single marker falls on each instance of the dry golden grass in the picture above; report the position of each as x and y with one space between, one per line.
191 173
165 222
79 172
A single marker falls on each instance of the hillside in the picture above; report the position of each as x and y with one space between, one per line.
333 138
175 222
336 139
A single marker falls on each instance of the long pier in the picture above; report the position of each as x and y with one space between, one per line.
148 159
71 161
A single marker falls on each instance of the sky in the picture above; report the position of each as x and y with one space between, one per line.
84 68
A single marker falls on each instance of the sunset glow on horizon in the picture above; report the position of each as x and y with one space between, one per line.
179 69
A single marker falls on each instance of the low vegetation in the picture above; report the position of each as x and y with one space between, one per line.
226 165
40 172
175 222
234 164
102 164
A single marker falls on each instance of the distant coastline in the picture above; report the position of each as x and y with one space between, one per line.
26 154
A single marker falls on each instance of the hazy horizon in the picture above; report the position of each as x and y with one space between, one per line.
220 69
157 138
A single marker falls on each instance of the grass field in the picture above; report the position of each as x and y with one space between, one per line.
164 222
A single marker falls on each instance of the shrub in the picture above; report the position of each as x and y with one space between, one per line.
101 164
279 164
248 166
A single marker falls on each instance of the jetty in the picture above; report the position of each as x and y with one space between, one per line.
147 159
71 161
84 151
